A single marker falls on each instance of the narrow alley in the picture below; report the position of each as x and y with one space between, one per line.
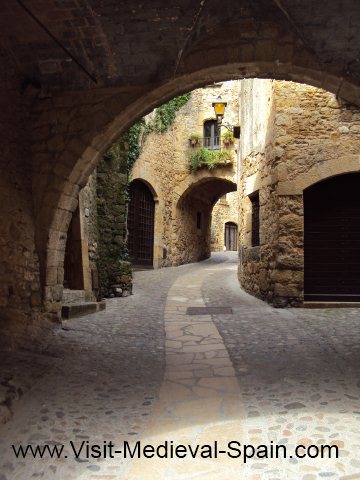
190 358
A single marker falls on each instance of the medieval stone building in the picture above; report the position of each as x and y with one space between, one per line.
299 149
77 79
184 196
167 217
59 115
293 137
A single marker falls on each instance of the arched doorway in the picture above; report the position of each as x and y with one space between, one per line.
231 234
141 216
73 261
332 240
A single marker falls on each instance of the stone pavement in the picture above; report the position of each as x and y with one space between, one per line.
146 370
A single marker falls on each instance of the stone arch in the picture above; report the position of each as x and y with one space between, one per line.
148 184
58 178
231 219
209 119
221 179
318 173
192 212
218 221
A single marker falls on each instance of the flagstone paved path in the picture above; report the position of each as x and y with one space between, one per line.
147 370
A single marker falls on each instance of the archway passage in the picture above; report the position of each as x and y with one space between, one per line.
195 206
231 235
141 224
332 240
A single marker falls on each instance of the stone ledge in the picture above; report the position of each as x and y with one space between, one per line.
331 304
80 309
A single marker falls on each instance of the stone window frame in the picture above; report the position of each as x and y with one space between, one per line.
213 144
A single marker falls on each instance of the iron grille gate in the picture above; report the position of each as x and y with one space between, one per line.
141 224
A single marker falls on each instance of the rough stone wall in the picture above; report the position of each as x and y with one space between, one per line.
317 136
89 237
88 202
190 242
73 123
112 180
225 210
308 135
164 165
260 40
257 116
20 294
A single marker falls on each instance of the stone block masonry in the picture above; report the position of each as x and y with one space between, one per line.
225 210
115 273
20 292
134 53
293 136
184 199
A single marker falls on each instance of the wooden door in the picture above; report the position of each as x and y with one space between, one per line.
332 240
231 234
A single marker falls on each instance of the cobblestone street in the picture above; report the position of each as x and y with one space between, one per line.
149 369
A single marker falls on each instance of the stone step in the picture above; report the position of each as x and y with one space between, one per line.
331 304
72 310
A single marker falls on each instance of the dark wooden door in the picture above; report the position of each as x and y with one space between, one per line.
231 234
332 239
141 224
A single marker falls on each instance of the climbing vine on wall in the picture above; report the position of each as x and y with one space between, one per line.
111 188
113 179
134 148
165 114
161 121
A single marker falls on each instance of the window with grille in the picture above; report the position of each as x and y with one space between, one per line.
211 135
255 219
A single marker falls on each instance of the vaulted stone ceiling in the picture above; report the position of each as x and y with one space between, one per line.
148 41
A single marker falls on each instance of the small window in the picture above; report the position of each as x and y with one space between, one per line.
223 200
211 135
198 220
255 219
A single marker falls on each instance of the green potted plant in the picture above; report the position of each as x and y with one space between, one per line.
209 159
228 138
194 139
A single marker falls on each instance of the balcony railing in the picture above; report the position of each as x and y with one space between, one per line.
212 143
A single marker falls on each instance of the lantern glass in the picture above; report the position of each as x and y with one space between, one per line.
219 107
